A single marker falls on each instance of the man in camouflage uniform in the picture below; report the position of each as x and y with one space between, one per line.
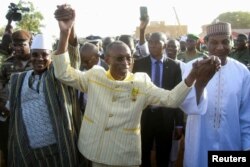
191 53
18 62
5 50
242 53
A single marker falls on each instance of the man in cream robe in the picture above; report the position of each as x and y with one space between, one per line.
110 131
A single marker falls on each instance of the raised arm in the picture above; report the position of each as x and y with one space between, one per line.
63 67
65 16
201 72
142 47
143 27
64 13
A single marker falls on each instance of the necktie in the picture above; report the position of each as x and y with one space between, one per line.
81 102
157 74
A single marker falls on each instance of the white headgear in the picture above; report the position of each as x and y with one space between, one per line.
42 41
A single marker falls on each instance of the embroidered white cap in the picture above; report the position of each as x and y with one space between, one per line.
219 28
42 41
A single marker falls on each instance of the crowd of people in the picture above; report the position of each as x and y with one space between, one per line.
119 102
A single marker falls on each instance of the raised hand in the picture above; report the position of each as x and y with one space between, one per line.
143 27
65 16
202 72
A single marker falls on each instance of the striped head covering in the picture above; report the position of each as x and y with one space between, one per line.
220 28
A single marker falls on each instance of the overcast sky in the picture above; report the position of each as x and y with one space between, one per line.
115 17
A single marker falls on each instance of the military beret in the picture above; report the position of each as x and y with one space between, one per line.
242 36
219 28
93 38
21 35
192 36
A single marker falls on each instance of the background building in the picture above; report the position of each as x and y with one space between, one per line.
172 31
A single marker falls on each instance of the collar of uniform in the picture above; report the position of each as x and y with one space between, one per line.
128 77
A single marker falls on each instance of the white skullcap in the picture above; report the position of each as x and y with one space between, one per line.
42 41
183 38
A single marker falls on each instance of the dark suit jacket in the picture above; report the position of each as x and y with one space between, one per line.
104 64
171 77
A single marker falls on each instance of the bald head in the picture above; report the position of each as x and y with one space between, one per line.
114 46
89 47
106 42
89 55
129 40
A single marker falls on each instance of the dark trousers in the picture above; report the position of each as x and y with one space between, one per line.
154 130
4 129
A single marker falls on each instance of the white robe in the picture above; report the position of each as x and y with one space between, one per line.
225 125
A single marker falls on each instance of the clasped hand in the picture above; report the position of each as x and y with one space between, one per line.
64 12
205 69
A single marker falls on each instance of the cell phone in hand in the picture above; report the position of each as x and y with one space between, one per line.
143 13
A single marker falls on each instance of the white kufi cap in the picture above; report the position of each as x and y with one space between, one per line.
42 41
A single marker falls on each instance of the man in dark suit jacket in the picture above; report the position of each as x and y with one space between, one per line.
158 123
90 56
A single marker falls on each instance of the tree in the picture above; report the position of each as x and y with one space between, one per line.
238 20
31 20
1 31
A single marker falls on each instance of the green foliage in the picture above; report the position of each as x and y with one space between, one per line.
31 20
1 31
238 20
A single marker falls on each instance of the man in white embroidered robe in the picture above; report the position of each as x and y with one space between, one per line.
225 125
